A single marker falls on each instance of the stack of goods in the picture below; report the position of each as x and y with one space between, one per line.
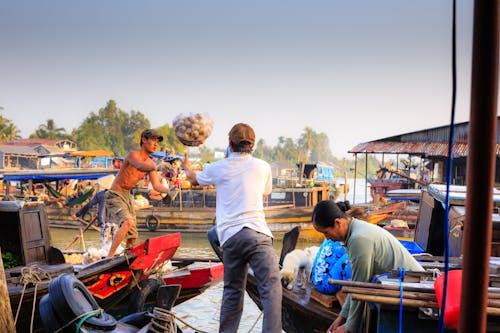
193 129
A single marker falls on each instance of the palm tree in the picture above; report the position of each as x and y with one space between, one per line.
307 140
8 131
49 130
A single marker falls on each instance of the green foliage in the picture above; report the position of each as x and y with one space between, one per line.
8 131
119 131
310 147
111 129
9 261
49 130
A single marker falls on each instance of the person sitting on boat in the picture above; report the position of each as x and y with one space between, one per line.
242 183
332 261
371 249
119 201
157 198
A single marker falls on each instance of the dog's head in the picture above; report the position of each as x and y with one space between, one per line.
287 279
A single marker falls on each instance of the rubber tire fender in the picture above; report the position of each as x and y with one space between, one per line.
48 314
138 297
70 298
152 222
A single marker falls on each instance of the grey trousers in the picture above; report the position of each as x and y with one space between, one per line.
249 247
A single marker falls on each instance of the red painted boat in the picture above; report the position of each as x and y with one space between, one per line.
194 275
114 283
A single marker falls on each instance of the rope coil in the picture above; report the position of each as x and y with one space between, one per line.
31 275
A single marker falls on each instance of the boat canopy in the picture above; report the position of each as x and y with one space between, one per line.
51 175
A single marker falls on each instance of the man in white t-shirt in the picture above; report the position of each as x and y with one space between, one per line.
242 183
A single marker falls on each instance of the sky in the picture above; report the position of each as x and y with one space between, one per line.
354 70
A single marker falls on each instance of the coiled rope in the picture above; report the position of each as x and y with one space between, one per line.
31 275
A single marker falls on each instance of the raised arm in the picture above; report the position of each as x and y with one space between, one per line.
190 174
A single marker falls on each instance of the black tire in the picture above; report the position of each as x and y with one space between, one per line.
70 298
147 288
48 315
152 222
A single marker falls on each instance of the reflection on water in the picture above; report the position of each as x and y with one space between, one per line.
201 312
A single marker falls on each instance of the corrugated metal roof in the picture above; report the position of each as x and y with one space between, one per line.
19 150
415 148
437 134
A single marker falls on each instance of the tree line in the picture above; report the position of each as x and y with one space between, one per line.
116 130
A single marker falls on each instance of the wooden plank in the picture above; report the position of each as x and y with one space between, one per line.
323 299
6 319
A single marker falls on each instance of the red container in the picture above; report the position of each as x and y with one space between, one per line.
453 293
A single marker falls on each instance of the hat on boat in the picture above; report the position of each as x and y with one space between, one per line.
241 133
151 133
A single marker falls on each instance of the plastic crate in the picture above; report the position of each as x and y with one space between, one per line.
412 247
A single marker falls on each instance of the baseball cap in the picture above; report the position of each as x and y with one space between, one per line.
242 133
151 133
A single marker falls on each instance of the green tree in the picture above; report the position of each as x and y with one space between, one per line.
307 140
8 131
49 130
170 141
112 129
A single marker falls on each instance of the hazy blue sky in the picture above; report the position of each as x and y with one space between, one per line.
356 70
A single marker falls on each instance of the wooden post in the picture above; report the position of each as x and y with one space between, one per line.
6 319
82 240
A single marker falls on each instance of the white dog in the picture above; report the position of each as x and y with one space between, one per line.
295 262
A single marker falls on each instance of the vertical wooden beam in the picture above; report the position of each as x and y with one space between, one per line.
6 319
480 167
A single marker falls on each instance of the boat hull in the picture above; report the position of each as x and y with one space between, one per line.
192 219
300 313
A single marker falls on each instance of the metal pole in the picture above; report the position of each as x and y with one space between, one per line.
366 177
355 176
480 167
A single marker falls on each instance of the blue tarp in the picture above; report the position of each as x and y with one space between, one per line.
165 156
54 177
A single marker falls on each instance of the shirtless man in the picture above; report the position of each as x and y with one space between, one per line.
119 201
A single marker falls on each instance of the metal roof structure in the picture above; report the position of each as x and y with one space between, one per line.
431 142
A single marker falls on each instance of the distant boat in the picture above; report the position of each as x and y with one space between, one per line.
194 211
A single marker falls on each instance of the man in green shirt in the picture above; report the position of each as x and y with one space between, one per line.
372 251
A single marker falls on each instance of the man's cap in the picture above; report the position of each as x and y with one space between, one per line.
242 133
151 133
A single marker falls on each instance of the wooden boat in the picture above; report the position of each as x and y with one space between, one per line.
192 210
195 212
301 311
304 311
429 231
70 307
194 276
26 238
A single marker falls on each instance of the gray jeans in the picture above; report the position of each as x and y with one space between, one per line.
250 247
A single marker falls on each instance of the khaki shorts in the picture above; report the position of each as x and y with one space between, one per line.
120 207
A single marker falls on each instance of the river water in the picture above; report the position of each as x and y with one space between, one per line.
202 312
